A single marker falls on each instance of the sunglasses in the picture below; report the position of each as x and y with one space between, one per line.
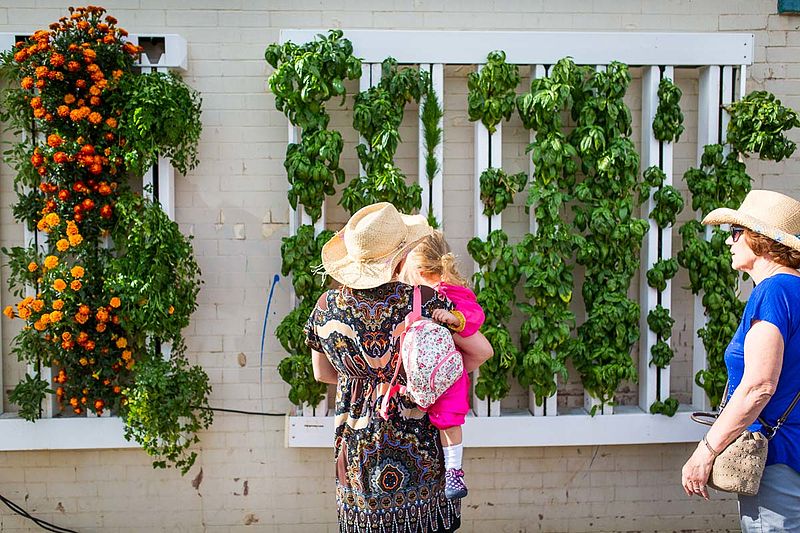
736 232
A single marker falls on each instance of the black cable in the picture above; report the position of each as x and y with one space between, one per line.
38 521
238 411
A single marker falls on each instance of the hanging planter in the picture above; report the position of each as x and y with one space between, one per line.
96 313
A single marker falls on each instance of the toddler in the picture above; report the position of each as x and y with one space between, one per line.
431 263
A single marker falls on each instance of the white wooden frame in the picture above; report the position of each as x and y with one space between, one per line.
91 432
713 53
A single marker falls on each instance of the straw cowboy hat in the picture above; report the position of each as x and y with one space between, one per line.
366 252
771 214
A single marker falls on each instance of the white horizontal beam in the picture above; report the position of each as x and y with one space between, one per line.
525 48
93 433
628 425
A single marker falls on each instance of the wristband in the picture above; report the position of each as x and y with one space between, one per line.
462 321
714 452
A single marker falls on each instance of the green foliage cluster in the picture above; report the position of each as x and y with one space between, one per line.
668 121
491 91
498 189
300 255
377 115
720 182
611 236
496 280
304 79
430 115
758 124
545 257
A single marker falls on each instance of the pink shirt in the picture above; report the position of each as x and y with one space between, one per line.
466 303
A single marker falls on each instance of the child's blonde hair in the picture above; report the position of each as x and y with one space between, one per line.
433 256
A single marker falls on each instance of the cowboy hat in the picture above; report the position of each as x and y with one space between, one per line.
366 252
769 213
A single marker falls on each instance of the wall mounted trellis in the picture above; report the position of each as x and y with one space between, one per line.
163 52
721 59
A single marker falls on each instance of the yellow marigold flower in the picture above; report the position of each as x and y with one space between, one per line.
32 267
38 326
52 220
28 300
9 311
59 285
62 245
122 342
77 271
45 319
75 285
50 261
24 313
115 302
56 316
42 225
171 309
83 361
37 305
72 228
75 240
58 305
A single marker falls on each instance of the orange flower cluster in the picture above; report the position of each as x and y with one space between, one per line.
68 75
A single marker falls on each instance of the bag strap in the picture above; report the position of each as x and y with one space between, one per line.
394 388
707 417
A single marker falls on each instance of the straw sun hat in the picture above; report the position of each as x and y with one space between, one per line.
366 252
771 214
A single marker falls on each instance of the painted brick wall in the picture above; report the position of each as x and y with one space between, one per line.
245 479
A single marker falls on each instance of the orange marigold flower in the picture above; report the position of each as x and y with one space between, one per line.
63 111
52 219
56 316
37 305
95 100
66 336
130 364
84 309
72 228
41 71
100 327
59 284
83 361
24 313
89 55
75 240
54 140
56 59
27 83
32 267
95 118
39 113
115 302
73 66
9 311
69 99
36 102
42 225
75 285
39 326
60 157
77 271
45 319
58 305
89 346
62 245
94 90
50 261
126 355
122 342
75 115
80 318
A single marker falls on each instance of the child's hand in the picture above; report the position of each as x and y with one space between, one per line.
444 317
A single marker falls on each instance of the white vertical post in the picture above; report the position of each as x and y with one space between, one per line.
666 247
488 153
707 133
6 43
728 93
550 405
432 193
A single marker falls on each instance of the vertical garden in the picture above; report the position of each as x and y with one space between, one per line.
106 281
584 194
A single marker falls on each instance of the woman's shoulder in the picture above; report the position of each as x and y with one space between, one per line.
780 283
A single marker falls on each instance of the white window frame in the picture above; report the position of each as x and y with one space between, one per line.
92 432
719 56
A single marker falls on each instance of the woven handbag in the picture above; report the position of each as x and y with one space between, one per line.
739 467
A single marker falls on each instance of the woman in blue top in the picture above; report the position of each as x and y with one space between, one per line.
763 359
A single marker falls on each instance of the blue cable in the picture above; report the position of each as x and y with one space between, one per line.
275 281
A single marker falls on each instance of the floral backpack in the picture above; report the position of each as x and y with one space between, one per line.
429 355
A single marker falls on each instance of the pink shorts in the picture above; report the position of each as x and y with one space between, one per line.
452 407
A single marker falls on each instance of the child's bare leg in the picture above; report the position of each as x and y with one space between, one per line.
450 436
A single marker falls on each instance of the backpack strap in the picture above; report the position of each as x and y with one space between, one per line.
394 388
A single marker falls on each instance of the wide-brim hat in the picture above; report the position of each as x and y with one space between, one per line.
365 253
768 213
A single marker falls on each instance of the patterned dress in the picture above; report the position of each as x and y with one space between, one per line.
389 473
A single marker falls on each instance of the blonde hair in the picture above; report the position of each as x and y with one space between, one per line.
433 256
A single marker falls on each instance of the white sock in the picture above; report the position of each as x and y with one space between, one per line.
452 455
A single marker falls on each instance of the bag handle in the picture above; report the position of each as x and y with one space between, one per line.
701 417
394 388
